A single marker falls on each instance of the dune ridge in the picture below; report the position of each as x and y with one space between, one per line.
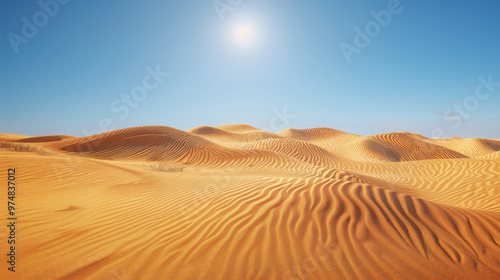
244 203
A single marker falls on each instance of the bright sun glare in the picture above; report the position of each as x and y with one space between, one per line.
243 34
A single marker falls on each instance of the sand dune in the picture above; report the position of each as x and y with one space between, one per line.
51 138
237 202
11 137
470 147
494 155
401 146
232 136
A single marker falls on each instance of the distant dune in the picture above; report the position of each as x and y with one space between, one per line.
237 202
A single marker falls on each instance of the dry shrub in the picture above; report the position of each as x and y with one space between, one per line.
19 147
167 168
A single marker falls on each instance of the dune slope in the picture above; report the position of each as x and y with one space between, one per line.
236 202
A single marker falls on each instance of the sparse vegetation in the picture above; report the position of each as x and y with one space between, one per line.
167 168
21 147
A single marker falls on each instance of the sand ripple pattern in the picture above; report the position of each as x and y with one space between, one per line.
248 204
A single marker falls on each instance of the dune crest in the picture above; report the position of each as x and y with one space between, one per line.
237 202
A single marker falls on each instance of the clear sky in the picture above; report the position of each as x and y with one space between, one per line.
365 67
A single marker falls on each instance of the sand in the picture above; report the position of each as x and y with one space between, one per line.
236 202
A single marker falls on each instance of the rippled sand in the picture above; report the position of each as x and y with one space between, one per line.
236 202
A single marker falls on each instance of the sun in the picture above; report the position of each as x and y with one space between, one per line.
243 34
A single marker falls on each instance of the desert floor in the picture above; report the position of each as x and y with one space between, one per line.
236 202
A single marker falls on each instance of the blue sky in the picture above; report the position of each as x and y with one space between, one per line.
419 72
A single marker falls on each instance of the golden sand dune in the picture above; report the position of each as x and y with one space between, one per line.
495 155
320 136
236 202
232 136
471 147
51 138
401 146
11 137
